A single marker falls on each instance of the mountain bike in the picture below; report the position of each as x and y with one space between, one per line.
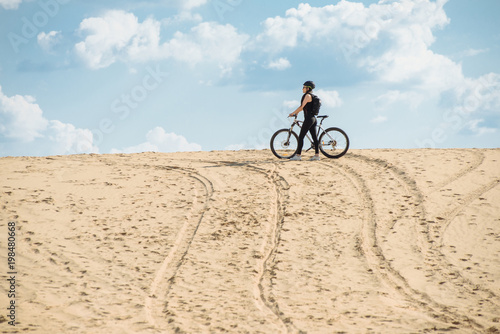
333 142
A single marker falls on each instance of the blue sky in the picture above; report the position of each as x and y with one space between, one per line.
132 76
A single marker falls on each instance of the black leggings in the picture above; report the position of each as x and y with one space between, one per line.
309 125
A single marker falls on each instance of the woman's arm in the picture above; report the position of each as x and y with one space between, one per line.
307 99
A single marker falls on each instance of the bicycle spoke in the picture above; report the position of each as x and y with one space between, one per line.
284 143
334 143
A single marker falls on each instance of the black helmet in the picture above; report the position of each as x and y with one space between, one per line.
310 84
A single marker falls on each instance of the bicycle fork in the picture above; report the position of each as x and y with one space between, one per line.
290 134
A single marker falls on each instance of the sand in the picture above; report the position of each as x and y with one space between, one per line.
379 241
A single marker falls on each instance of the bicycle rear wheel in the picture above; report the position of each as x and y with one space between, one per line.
333 143
284 143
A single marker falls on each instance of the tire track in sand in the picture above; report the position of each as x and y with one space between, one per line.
265 301
435 231
373 251
469 198
430 235
478 161
164 278
439 231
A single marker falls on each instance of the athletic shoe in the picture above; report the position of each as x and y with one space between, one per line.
314 158
295 158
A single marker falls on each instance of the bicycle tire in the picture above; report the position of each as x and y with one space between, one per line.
335 145
279 146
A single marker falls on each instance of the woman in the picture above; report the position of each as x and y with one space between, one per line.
309 121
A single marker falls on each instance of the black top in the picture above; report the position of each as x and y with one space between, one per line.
307 107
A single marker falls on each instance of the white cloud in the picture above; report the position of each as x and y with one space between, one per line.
21 118
417 66
330 98
184 16
22 123
289 104
279 64
190 4
410 99
160 141
403 28
48 40
474 126
379 119
119 36
473 95
10 4
207 42
305 24
480 95
280 33
144 41
107 37
471 52
66 138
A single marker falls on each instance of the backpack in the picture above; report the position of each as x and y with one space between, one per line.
316 104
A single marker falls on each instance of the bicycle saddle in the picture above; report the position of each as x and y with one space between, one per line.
324 116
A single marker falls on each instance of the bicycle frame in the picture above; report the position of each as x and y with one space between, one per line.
319 128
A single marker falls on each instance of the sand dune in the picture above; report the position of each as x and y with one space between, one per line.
379 241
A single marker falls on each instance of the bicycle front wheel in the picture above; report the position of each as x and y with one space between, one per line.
284 143
334 143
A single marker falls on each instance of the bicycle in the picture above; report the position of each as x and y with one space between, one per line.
333 142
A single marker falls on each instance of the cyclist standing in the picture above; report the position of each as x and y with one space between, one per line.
309 121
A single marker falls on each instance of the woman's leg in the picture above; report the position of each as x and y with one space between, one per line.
308 122
314 135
